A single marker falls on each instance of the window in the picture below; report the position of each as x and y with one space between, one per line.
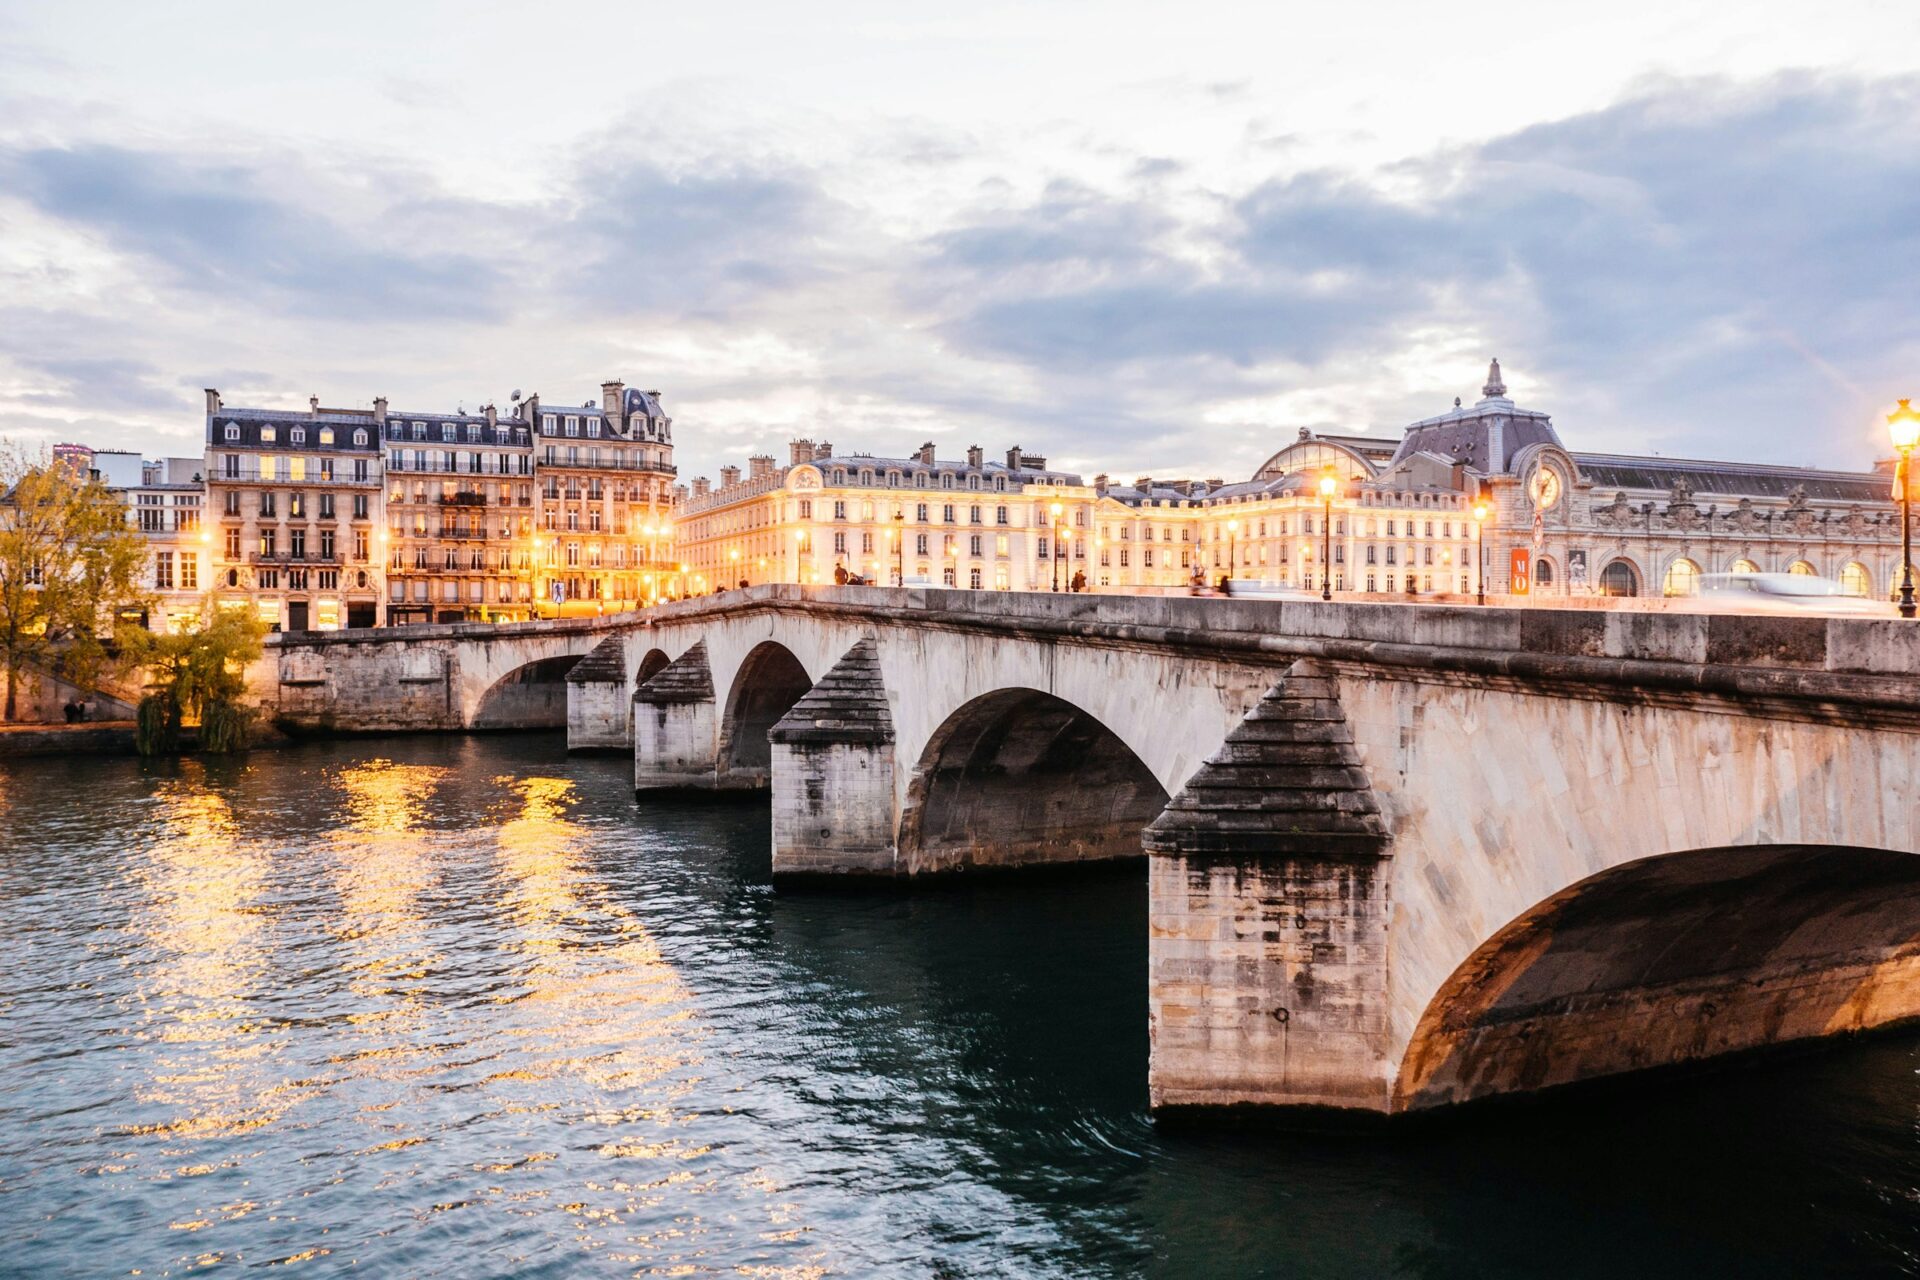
233 431
269 506
189 571
1542 573
946 514
1855 581
1617 579
233 544
360 438
839 511
268 435
298 435
268 579
1683 578
920 544
973 579
163 570
920 512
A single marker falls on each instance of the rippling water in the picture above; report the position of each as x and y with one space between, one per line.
461 1007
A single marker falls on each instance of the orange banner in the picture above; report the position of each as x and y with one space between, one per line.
1520 575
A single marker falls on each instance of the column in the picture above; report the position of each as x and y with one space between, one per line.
833 772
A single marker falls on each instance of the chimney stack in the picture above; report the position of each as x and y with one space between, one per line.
1100 484
1014 458
926 454
213 401
759 466
493 417
975 455
729 477
799 451
313 406
701 486
610 398
823 450
380 411
1143 483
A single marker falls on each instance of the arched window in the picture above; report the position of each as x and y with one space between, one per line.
1855 580
1743 565
1683 578
1800 568
233 431
299 435
1542 573
326 435
360 439
1619 579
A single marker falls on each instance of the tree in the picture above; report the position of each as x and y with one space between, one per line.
69 564
197 675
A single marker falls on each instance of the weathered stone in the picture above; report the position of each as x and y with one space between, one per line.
833 775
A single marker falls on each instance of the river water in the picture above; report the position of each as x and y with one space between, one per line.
460 1006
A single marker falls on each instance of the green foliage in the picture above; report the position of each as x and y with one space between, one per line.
69 563
199 674
157 727
223 726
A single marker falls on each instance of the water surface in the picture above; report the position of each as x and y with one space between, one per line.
461 1006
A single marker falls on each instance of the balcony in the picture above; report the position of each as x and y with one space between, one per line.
284 558
475 535
608 464
464 498
251 475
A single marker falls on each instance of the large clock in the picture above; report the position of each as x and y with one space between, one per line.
1544 488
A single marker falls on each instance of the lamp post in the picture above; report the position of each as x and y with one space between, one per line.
1904 424
1233 562
733 554
1480 545
1056 509
1327 485
900 548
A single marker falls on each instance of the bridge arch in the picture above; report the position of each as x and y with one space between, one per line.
770 679
531 696
1019 777
1673 959
651 665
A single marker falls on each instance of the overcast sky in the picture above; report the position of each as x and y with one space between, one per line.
1136 238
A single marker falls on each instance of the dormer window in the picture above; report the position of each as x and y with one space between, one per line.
326 435
233 431
267 435
573 426
419 431
360 438
473 433
593 428
866 476
447 435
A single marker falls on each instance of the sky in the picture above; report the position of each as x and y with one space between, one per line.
1138 239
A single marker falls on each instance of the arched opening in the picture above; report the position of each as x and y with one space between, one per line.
1803 569
1672 960
1619 579
1855 580
1543 575
1743 565
1683 578
531 697
769 682
1022 778
652 665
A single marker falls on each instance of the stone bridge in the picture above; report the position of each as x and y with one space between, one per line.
1398 856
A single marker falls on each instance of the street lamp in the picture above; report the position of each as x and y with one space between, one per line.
900 548
1904 423
1480 544
1327 485
1233 533
1056 509
734 555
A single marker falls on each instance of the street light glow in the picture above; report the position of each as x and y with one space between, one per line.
1904 425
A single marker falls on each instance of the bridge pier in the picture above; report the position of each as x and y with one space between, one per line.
1268 914
674 726
833 775
599 711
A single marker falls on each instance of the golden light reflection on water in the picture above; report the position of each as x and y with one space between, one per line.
203 966
613 1013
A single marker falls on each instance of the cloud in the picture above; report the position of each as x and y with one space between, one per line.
228 227
1663 258
1724 268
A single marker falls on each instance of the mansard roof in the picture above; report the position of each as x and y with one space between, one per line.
1615 471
